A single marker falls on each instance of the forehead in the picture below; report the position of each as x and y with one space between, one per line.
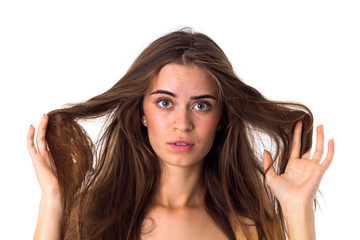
184 79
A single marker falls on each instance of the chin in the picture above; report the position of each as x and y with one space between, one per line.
182 162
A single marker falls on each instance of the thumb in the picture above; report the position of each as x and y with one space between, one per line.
268 164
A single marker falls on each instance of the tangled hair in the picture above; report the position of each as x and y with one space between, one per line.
107 187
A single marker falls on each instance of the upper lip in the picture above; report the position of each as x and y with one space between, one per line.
181 141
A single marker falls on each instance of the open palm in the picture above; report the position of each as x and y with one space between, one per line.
301 179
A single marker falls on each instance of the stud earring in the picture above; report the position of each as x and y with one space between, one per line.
145 122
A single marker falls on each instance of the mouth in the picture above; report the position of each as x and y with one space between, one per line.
181 142
181 145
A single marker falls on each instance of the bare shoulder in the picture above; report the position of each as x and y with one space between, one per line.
243 225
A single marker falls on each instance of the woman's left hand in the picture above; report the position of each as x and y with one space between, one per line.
301 179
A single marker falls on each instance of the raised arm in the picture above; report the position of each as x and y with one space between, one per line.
49 223
297 186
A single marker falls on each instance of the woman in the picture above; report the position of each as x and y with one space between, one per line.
178 157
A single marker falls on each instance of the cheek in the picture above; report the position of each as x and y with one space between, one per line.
156 124
209 124
209 131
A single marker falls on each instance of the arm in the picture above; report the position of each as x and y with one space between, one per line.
297 186
49 223
300 222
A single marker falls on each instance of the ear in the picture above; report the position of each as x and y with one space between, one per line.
221 123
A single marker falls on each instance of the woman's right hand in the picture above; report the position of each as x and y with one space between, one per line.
40 157
49 223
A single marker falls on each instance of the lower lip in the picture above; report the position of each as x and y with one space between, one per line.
181 148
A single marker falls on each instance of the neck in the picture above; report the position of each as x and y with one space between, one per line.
180 187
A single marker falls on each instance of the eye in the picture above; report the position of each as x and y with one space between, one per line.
202 106
164 103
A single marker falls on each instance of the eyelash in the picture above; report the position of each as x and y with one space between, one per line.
207 105
163 100
160 101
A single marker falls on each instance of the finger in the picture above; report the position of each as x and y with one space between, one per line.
296 145
319 149
40 138
330 154
307 155
30 142
268 164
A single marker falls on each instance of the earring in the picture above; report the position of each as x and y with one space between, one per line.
145 122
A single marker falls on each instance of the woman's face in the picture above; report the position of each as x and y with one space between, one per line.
182 114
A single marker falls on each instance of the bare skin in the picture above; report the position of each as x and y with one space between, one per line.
172 111
297 187
50 211
178 210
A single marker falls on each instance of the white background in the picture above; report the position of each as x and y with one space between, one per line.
56 52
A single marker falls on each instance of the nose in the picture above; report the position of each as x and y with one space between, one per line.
182 121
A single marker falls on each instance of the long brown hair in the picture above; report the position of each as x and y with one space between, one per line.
107 187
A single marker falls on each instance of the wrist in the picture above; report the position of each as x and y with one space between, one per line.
300 221
297 208
50 194
51 199
50 218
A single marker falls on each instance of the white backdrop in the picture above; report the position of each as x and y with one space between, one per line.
56 52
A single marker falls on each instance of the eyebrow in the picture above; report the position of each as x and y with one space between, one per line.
174 95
